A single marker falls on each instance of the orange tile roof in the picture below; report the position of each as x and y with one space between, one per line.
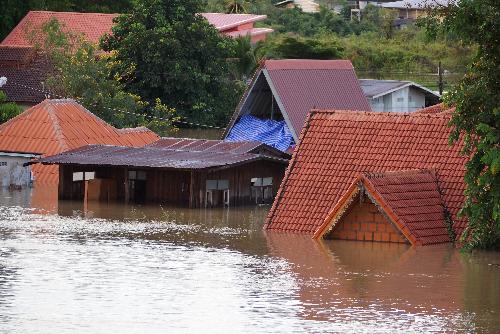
410 199
335 146
55 126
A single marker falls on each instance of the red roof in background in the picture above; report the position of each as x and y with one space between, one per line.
91 25
303 84
410 199
335 146
95 25
225 22
55 126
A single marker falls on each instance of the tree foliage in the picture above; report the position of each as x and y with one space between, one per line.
8 110
476 119
164 49
84 74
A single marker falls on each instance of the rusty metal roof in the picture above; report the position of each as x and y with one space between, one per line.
153 157
220 146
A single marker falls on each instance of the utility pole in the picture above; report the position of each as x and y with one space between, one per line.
440 79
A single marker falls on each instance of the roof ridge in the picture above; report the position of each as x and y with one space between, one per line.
70 12
415 114
56 127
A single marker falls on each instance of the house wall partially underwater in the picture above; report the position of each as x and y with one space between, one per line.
364 222
12 171
177 187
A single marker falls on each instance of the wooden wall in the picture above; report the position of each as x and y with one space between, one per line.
176 187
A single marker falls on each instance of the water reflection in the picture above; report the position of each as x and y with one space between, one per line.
130 269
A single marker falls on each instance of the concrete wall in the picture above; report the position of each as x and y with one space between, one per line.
12 172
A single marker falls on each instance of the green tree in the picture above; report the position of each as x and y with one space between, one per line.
476 119
8 110
166 50
85 74
292 46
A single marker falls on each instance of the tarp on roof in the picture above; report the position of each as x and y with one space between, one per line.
274 133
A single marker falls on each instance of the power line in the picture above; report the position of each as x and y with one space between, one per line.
152 117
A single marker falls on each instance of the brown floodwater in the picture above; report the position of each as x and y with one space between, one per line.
149 269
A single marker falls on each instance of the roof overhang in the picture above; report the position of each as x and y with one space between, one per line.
409 84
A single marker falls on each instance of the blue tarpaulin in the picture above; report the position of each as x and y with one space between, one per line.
272 133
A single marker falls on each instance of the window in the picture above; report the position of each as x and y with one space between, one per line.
81 176
3 163
400 99
262 189
217 184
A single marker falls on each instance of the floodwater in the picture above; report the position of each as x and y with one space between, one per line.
151 269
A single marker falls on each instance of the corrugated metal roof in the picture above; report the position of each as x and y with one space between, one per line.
302 85
55 126
374 88
153 157
219 146
225 22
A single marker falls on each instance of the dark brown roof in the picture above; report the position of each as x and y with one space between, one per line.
335 146
220 146
410 199
153 157
25 70
304 84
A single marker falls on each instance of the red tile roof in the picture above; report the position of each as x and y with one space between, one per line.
410 199
94 25
55 126
336 146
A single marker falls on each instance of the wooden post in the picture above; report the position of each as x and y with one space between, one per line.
85 196
127 194
191 191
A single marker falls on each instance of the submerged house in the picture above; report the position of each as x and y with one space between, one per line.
55 126
281 94
13 172
374 176
26 69
397 96
193 172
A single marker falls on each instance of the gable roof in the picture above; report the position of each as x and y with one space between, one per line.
94 25
335 146
218 146
153 157
374 88
416 4
299 85
54 126
411 200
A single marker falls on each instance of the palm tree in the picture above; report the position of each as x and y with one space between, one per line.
236 6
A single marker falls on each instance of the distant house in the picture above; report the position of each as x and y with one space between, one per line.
307 6
410 10
193 172
393 95
55 126
375 177
13 171
281 94
26 70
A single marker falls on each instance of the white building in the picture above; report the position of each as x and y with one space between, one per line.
13 173
307 6
393 95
